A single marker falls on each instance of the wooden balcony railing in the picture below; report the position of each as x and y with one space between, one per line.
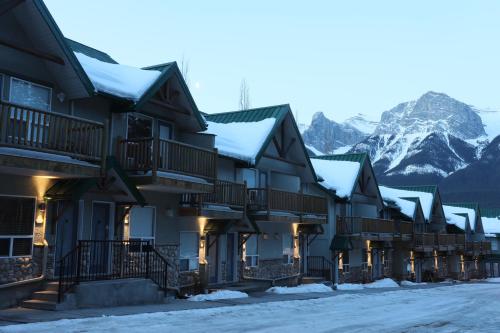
153 154
460 241
446 240
26 128
405 228
422 240
348 225
485 247
225 193
267 199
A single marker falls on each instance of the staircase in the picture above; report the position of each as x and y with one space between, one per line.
319 269
45 299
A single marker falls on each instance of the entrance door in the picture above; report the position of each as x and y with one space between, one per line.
212 258
101 232
66 229
230 256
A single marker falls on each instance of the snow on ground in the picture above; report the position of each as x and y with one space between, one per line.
458 308
406 283
118 80
341 150
315 151
241 140
338 175
383 283
497 279
216 295
301 289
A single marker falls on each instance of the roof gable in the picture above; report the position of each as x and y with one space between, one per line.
89 51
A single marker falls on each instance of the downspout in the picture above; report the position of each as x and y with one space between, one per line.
37 279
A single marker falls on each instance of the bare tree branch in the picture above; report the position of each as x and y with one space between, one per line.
244 95
185 69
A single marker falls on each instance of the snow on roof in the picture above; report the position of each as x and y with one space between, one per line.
339 176
460 210
491 225
453 218
241 140
315 151
407 206
118 80
425 198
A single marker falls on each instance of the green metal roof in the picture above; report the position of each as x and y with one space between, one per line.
490 212
354 157
250 115
89 51
423 188
58 35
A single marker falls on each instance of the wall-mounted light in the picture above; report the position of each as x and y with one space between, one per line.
40 217
126 218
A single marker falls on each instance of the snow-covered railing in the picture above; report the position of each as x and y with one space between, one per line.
349 225
31 129
153 154
267 199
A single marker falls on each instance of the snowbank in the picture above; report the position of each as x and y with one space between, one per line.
411 284
339 176
219 294
496 279
384 283
301 289
118 80
241 140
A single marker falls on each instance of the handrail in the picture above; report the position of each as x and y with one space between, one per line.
45 131
94 260
225 193
319 266
357 225
154 154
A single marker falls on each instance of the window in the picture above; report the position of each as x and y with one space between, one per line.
252 254
17 216
188 249
142 223
139 126
344 261
287 246
30 94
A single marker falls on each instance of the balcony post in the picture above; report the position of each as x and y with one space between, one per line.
155 157
104 147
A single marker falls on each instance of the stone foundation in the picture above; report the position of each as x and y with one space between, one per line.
22 268
272 269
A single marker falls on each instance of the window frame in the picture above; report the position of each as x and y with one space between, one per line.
12 78
12 237
289 260
254 258
190 258
131 221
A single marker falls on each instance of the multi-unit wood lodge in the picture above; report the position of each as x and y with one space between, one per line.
111 173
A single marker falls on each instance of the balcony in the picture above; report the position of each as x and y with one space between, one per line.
50 140
228 200
278 205
425 242
168 164
485 247
445 242
371 228
460 242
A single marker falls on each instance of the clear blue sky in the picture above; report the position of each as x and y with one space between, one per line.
339 57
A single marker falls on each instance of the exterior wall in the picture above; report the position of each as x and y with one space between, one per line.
226 169
27 267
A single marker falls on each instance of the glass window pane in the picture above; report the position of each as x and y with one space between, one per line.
22 247
29 94
142 222
188 244
4 247
251 245
17 216
139 127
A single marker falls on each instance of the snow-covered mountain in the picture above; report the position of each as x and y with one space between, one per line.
425 140
328 136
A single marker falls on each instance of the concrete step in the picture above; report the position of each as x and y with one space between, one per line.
311 279
46 295
40 305
247 287
52 286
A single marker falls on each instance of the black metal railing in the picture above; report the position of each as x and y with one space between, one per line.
319 266
93 260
